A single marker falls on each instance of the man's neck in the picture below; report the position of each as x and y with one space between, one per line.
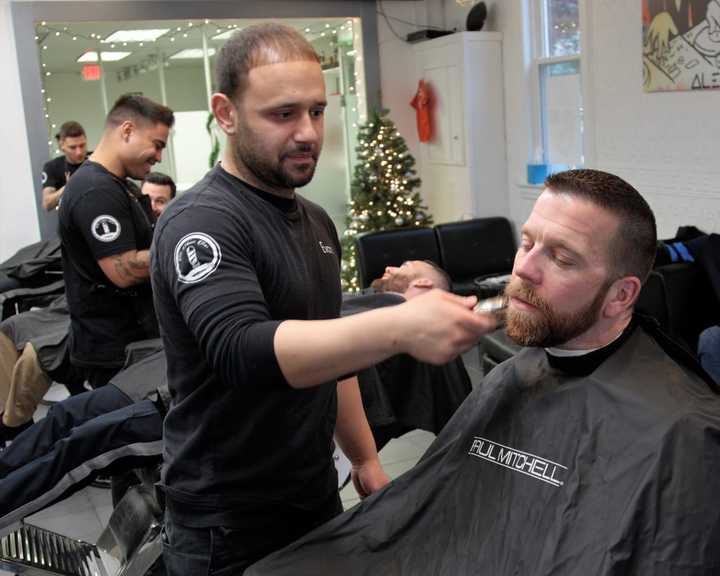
107 158
599 336
240 171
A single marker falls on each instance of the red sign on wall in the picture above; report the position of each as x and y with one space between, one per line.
91 72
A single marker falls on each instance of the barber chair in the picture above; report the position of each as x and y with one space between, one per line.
23 299
130 545
680 297
472 250
376 250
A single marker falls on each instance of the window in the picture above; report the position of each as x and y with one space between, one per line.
557 93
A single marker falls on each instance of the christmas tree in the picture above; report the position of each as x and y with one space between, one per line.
383 195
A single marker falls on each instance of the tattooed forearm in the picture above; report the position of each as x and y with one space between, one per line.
132 267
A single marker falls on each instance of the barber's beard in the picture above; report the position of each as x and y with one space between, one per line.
268 169
545 326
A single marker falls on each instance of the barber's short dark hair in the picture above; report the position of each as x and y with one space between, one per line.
70 129
161 180
139 108
255 46
445 282
632 250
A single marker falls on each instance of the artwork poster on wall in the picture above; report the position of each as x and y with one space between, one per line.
681 44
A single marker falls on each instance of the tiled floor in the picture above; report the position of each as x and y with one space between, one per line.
85 514
398 456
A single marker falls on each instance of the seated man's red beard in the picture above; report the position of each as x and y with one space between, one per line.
545 326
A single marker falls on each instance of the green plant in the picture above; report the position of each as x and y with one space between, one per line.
214 141
383 190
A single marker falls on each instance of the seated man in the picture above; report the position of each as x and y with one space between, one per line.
398 283
596 450
400 278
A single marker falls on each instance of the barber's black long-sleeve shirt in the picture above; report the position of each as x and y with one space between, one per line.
229 263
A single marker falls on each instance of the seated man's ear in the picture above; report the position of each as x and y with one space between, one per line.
622 295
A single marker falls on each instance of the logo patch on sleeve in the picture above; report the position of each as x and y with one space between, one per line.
197 255
44 177
105 228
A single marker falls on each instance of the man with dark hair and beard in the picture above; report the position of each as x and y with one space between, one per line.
595 450
106 233
246 281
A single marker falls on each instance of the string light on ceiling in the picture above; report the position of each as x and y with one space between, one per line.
144 44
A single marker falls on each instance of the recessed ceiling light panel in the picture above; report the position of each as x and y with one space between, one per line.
191 54
224 35
146 35
106 56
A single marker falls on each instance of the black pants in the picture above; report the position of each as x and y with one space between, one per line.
222 551
96 377
98 430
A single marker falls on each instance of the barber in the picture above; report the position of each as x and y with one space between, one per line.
56 172
106 234
246 279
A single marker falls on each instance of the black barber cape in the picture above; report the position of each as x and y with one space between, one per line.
544 472
401 394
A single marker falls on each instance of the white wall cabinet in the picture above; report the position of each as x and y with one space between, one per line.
463 168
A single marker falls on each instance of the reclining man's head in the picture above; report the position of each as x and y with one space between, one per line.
412 278
585 251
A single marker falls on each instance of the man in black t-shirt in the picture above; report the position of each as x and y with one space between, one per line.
246 281
106 236
57 172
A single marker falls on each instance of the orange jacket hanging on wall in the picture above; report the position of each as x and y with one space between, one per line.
422 102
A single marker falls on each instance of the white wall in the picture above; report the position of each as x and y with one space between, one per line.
399 76
18 218
397 67
665 144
